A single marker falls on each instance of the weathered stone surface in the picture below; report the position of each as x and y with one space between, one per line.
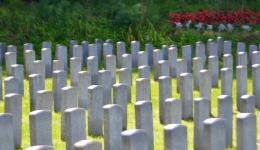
93 68
59 81
213 69
18 73
111 66
120 51
247 104
144 71
172 59
36 84
84 83
43 100
47 60
256 84
241 82
75 67
226 81
40 147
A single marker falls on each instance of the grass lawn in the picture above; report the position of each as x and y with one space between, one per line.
158 128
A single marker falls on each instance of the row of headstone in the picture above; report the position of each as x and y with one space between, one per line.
101 83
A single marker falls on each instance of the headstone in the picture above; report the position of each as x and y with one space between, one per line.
127 61
163 68
186 94
47 60
7 131
99 43
75 120
241 47
164 50
39 68
175 137
255 57
181 68
113 117
241 83
29 58
78 52
135 47
252 48
165 91
205 84
247 104
149 50
173 111
213 69
10 59
41 127
59 81
93 68
43 100
197 66
120 95
84 83
95 113
125 77
62 55
105 80
143 89
68 100
18 73
220 45
144 120
111 66
107 49
157 56
241 59
13 105
246 131
93 51
46 44
88 145
213 49
27 46
172 59
227 47
225 111
36 84
85 49
256 84
58 65
226 81
228 61
201 51
144 72
142 58
11 85
201 113
120 51
75 68
187 56
134 139
72 43
12 48
214 134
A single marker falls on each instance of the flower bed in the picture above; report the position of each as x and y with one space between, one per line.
220 20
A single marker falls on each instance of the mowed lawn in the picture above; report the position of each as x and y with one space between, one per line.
158 128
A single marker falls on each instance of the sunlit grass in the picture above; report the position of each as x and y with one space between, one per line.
158 128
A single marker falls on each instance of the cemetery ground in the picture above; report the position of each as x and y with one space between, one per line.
158 128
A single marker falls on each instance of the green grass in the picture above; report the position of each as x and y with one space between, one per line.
158 128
